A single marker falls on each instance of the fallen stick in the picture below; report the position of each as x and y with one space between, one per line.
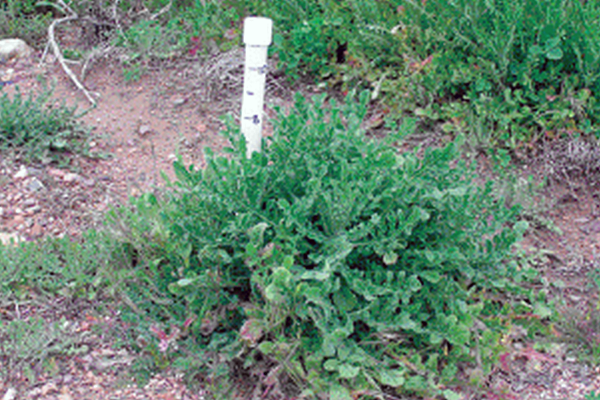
61 59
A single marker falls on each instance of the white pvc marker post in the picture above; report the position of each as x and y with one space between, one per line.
257 38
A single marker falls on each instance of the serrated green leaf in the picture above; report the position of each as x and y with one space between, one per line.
339 392
266 348
391 377
272 293
542 310
390 258
331 365
554 53
348 371
344 299
281 277
430 276
414 284
288 262
406 322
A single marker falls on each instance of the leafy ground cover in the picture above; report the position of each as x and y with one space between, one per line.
332 265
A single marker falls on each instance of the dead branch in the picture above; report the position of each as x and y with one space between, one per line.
61 59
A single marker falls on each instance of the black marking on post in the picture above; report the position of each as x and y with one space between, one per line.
261 70
255 120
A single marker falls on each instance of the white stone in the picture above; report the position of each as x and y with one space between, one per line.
34 185
13 48
71 177
8 239
22 173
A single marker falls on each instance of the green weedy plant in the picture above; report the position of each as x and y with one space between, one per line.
53 267
526 68
330 259
34 130
25 20
29 347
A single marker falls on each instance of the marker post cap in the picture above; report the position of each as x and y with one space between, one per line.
258 31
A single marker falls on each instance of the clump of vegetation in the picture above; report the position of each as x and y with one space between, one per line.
331 260
35 333
35 130
25 20
580 326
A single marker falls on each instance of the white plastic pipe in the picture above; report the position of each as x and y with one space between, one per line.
257 38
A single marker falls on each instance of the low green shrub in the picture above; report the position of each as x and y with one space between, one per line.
24 20
35 130
30 346
50 267
580 326
525 69
331 260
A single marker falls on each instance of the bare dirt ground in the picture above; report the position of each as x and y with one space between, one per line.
173 110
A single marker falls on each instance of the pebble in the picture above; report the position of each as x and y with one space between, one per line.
58 173
17 220
22 173
179 101
34 209
71 177
144 129
10 394
34 185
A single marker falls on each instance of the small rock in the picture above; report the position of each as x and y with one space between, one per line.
17 220
18 211
49 388
177 101
36 231
29 202
144 129
8 75
57 173
34 185
22 173
201 127
10 394
13 48
71 177
64 396
89 182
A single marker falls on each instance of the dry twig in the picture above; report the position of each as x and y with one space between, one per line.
72 15
61 59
